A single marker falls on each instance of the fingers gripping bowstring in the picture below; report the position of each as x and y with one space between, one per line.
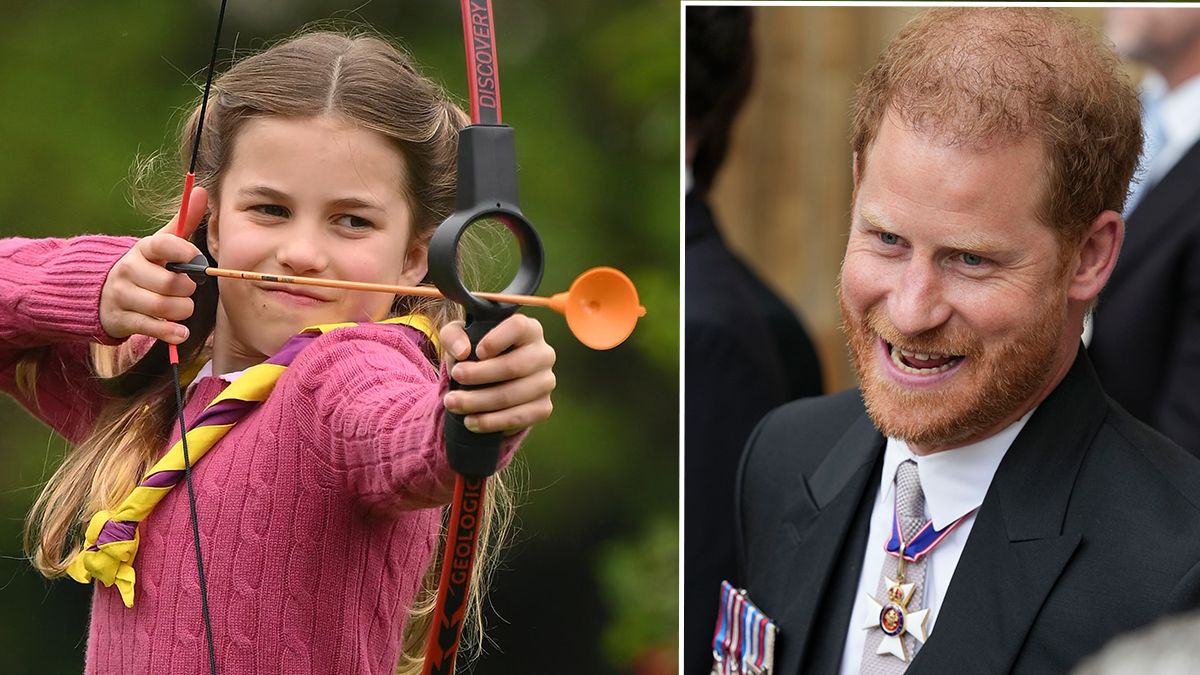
188 181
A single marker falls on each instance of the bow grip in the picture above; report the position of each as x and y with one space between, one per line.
475 455
486 189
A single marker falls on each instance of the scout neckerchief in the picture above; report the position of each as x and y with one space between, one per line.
892 615
112 535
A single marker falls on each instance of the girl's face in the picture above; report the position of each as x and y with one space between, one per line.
313 197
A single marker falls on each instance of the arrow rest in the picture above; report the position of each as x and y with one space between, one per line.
193 268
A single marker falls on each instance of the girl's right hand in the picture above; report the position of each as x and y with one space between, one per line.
140 296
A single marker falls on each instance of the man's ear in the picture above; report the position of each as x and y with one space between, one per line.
1095 257
854 167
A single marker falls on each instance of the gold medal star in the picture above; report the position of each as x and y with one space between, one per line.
893 618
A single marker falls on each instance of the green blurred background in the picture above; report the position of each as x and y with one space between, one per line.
591 88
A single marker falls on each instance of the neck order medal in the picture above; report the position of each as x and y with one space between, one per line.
893 617
891 614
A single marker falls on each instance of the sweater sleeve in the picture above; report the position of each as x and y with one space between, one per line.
373 403
49 317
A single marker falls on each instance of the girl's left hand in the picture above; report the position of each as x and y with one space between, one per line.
515 361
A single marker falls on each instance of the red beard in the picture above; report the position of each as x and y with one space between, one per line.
993 381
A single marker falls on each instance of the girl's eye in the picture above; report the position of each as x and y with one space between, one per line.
354 222
972 260
889 238
273 210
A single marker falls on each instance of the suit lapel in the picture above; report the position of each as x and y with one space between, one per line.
1017 548
815 527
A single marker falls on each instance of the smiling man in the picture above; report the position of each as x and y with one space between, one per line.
979 505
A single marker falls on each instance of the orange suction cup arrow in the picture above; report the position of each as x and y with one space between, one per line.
601 307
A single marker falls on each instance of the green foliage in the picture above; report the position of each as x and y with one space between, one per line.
632 572
592 90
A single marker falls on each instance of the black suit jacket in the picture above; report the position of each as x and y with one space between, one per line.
1091 527
736 373
1147 325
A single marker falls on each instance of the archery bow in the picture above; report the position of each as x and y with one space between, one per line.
487 188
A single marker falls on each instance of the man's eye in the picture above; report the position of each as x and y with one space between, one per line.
889 238
972 260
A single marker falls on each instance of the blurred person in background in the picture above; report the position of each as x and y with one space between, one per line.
746 352
1146 339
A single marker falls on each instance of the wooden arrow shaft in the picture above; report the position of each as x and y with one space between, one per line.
422 291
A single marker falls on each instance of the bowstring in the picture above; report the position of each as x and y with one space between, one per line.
187 463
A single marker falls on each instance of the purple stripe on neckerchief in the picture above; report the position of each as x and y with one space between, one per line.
291 348
227 411
160 479
114 530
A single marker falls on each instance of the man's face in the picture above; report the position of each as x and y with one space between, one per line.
952 294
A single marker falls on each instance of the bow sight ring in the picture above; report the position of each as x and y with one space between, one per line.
487 188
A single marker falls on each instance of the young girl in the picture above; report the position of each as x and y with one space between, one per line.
319 510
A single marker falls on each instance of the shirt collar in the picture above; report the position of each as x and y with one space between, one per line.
207 371
954 481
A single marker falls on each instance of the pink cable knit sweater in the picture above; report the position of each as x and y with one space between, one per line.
318 512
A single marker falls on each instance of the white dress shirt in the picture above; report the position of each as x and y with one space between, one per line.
954 482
